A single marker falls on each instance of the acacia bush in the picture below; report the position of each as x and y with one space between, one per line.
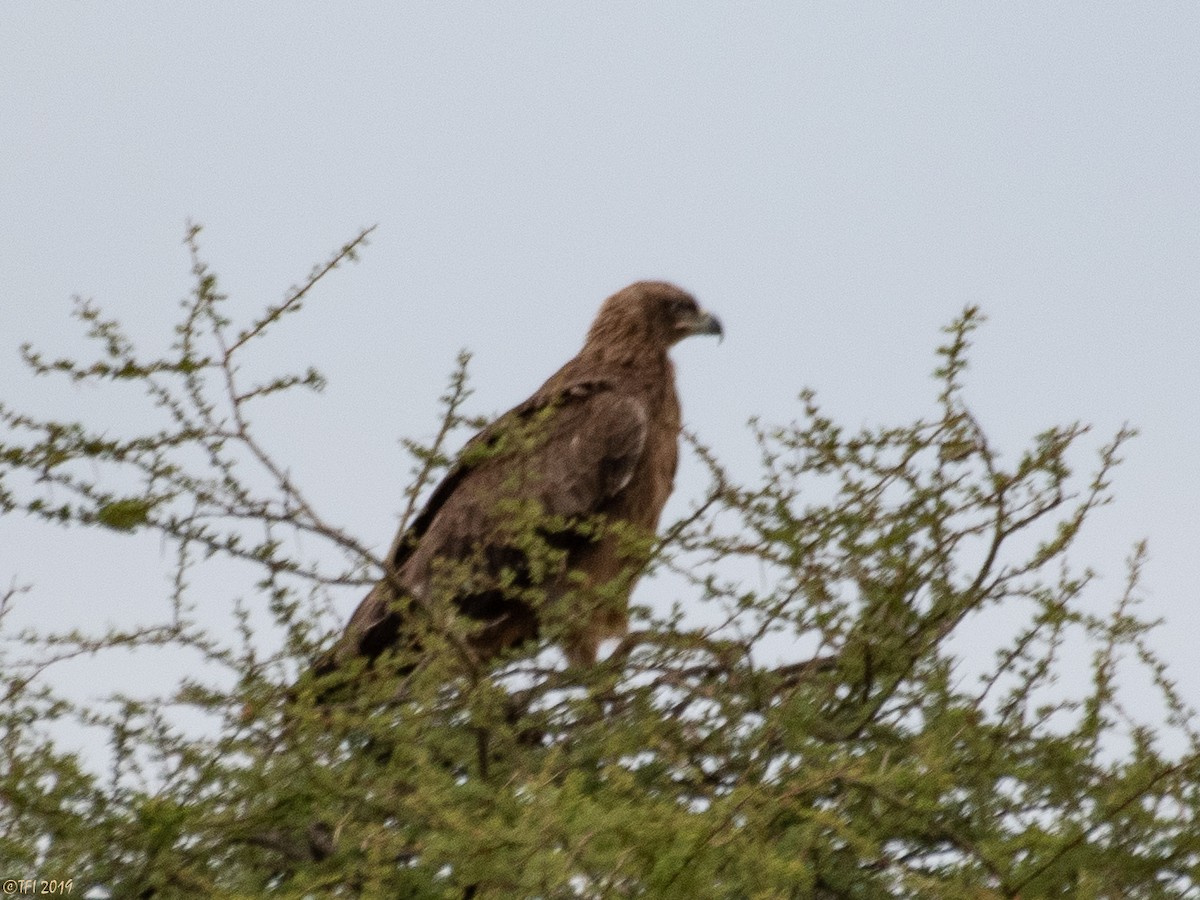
797 723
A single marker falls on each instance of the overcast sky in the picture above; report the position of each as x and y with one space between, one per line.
835 180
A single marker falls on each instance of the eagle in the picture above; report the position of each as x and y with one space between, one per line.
557 500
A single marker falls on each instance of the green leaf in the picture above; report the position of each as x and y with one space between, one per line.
124 515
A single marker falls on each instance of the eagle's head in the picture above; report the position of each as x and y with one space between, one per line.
653 314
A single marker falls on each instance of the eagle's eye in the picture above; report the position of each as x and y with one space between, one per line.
682 306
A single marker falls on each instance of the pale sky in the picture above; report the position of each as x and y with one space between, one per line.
836 181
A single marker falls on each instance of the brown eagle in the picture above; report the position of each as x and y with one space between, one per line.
585 466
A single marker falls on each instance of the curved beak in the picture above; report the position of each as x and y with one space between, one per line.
705 323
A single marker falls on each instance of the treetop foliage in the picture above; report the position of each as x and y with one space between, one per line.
792 714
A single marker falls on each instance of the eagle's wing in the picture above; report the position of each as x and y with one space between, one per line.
595 438
572 449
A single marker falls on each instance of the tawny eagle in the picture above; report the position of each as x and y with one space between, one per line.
587 463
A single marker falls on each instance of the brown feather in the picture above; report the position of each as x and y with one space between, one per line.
585 465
